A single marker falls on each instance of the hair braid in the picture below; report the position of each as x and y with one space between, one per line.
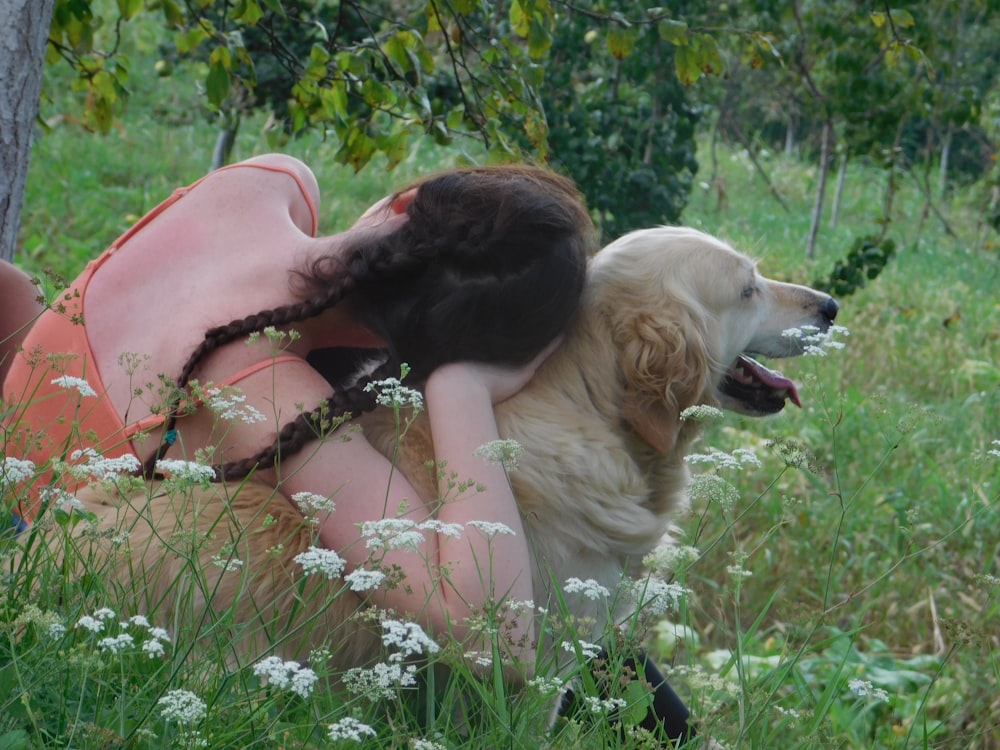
308 426
221 335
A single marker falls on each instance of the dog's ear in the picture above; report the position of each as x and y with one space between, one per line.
667 369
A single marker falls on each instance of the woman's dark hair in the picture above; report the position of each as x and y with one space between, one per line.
489 266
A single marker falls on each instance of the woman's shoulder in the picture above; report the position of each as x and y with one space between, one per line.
303 182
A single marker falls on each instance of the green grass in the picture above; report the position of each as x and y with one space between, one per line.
869 529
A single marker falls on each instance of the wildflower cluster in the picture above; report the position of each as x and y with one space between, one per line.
320 560
392 393
816 342
230 404
365 580
381 681
15 470
88 464
137 628
349 730
671 558
589 588
589 650
655 596
738 459
286 675
70 383
185 472
864 689
702 413
182 706
310 502
504 452
994 451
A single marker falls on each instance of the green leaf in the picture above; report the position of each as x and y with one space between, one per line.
639 700
217 83
249 12
128 8
709 57
675 32
189 40
520 20
539 40
620 42
16 739
686 65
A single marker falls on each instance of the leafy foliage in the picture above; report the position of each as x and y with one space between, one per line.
620 123
866 259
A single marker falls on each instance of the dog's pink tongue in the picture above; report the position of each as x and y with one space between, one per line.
771 378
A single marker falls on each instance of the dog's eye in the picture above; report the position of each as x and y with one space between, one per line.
748 291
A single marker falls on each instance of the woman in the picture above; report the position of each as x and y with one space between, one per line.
468 277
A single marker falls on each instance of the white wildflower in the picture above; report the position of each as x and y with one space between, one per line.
139 621
408 637
228 564
715 489
453 530
864 689
100 467
153 648
116 644
589 650
185 471
702 413
229 403
479 658
589 588
182 706
14 470
90 623
55 497
319 560
392 393
392 533
738 572
603 706
421 744
286 675
56 630
491 528
670 557
656 596
79 384
816 342
381 681
311 502
365 580
349 730
736 460
546 685
994 451
504 452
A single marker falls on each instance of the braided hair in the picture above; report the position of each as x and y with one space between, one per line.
489 266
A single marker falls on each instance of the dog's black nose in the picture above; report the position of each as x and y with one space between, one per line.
829 309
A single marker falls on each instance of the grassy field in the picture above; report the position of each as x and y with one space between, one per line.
846 597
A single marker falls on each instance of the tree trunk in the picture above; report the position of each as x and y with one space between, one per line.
24 31
943 170
824 169
839 192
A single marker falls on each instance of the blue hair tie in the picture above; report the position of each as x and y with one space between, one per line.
170 437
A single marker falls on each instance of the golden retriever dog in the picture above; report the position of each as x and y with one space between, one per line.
670 318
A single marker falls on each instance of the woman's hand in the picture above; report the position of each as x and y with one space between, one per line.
500 381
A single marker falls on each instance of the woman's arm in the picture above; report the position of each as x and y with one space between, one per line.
366 488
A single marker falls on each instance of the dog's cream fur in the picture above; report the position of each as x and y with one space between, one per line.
665 313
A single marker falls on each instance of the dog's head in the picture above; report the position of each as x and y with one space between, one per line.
687 315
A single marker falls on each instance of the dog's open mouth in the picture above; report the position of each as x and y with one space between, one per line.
756 389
